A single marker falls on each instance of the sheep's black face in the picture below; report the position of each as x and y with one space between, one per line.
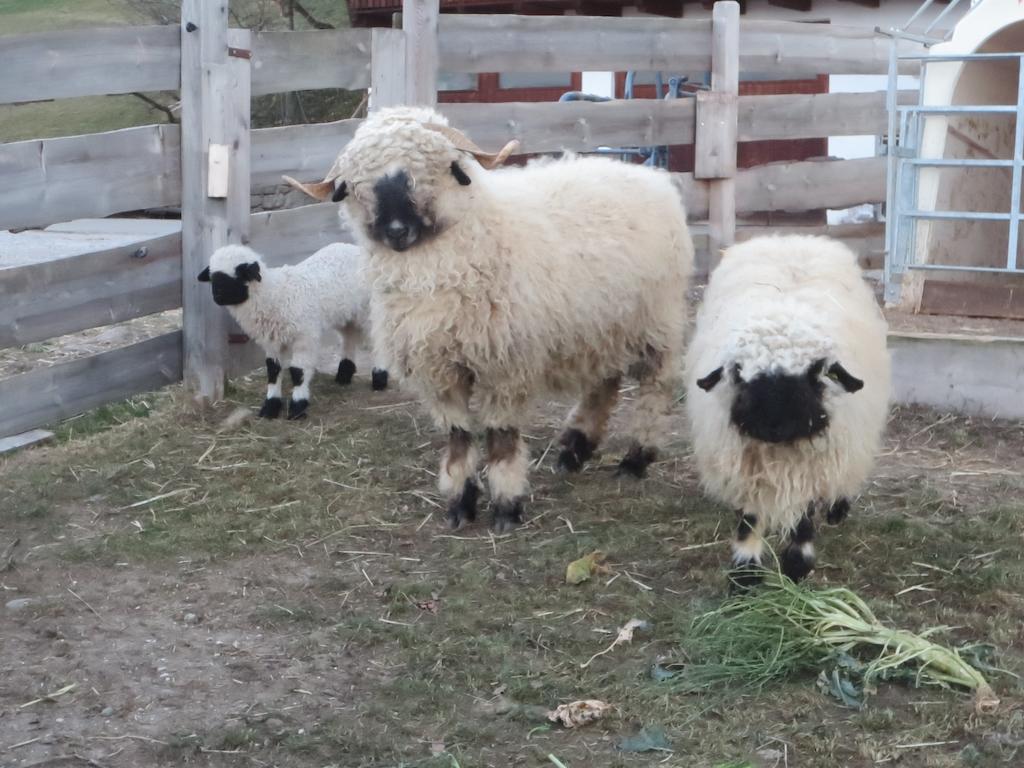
780 407
232 290
397 223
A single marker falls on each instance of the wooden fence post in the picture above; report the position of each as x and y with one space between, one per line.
215 95
716 129
419 22
387 68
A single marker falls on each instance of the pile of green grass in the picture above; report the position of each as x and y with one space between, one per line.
784 628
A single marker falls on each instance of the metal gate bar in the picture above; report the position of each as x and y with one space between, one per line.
906 124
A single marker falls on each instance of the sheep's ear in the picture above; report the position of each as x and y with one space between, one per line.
460 175
849 382
322 191
708 382
204 276
340 192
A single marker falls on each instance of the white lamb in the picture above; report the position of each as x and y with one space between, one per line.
780 422
509 284
291 312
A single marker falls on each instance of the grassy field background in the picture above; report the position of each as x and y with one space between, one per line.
68 117
223 591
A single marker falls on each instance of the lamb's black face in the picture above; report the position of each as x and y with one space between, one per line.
781 407
232 290
397 223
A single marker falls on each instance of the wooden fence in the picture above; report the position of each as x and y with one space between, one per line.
208 163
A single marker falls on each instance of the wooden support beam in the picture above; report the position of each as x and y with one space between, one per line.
725 84
419 22
215 95
388 79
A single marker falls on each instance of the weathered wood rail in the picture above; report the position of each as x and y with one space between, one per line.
158 166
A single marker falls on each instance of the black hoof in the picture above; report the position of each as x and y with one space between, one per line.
271 408
462 509
744 577
507 515
577 450
346 370
297 409
838 511
379 379
636 461
795 564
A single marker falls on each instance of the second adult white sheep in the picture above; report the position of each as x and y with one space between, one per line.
781 423
507 284
291 312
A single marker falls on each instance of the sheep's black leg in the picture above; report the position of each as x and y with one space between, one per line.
587 424
658 378
379 380
747 550
637 459
507 465
346 370
457 477
272 404
798 558
838 511
299 403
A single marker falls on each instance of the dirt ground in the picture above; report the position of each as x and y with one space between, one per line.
183 588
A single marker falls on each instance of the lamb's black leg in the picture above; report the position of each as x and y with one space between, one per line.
747 550
797 559
379 379
346 370
272 404
299 403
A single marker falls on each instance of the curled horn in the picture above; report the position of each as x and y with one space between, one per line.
322 190
462 142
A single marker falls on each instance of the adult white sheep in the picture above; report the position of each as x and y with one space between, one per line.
507 284
290 312
780 422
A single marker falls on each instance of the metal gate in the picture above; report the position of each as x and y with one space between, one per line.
905 161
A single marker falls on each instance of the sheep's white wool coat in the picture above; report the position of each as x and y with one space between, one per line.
290 309
548 278
781 303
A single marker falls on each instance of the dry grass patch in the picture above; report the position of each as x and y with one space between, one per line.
287 594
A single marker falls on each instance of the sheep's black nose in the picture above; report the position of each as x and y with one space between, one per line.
397 230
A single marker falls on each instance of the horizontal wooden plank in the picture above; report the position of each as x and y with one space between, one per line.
310 59
946 297
304 152
801 186
47 395
790 49
93 175
24 439
575 125
509 43
40 301
814 115
811 185
288 236
89 62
